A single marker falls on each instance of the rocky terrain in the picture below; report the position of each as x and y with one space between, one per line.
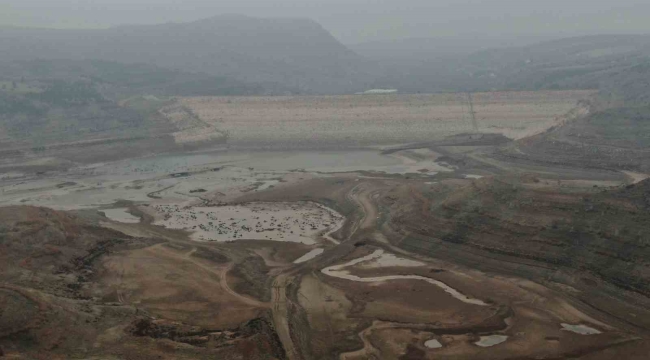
593 240
614 138
53 268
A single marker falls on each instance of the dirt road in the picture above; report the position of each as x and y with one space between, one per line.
281 313
280 303
221 272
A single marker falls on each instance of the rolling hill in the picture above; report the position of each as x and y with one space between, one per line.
296 53
571 63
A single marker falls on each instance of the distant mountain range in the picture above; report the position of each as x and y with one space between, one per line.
239 55
58 87
413 51
572 63
294 53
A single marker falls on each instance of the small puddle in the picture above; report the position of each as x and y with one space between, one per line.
121 215
338 272
268 184
433 344
580 329
390 260
308 256
491 340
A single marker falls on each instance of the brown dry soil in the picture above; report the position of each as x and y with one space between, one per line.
537 254
540 243
540 255
608 138
70 289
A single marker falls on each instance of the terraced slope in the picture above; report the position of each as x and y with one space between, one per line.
595 241
616 138
309 122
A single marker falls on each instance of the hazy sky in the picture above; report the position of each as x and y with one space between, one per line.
356 20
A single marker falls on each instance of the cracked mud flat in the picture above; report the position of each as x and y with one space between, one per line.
178 177
290 222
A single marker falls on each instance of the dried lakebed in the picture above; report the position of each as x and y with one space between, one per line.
338 272
121 215
177 177
299 222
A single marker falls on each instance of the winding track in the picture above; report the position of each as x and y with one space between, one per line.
280 313
280 302
221 272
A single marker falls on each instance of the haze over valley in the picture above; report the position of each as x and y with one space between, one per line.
292 184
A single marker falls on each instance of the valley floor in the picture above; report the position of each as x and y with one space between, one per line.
434 249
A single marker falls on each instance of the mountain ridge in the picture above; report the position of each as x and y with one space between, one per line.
581 62
298 53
